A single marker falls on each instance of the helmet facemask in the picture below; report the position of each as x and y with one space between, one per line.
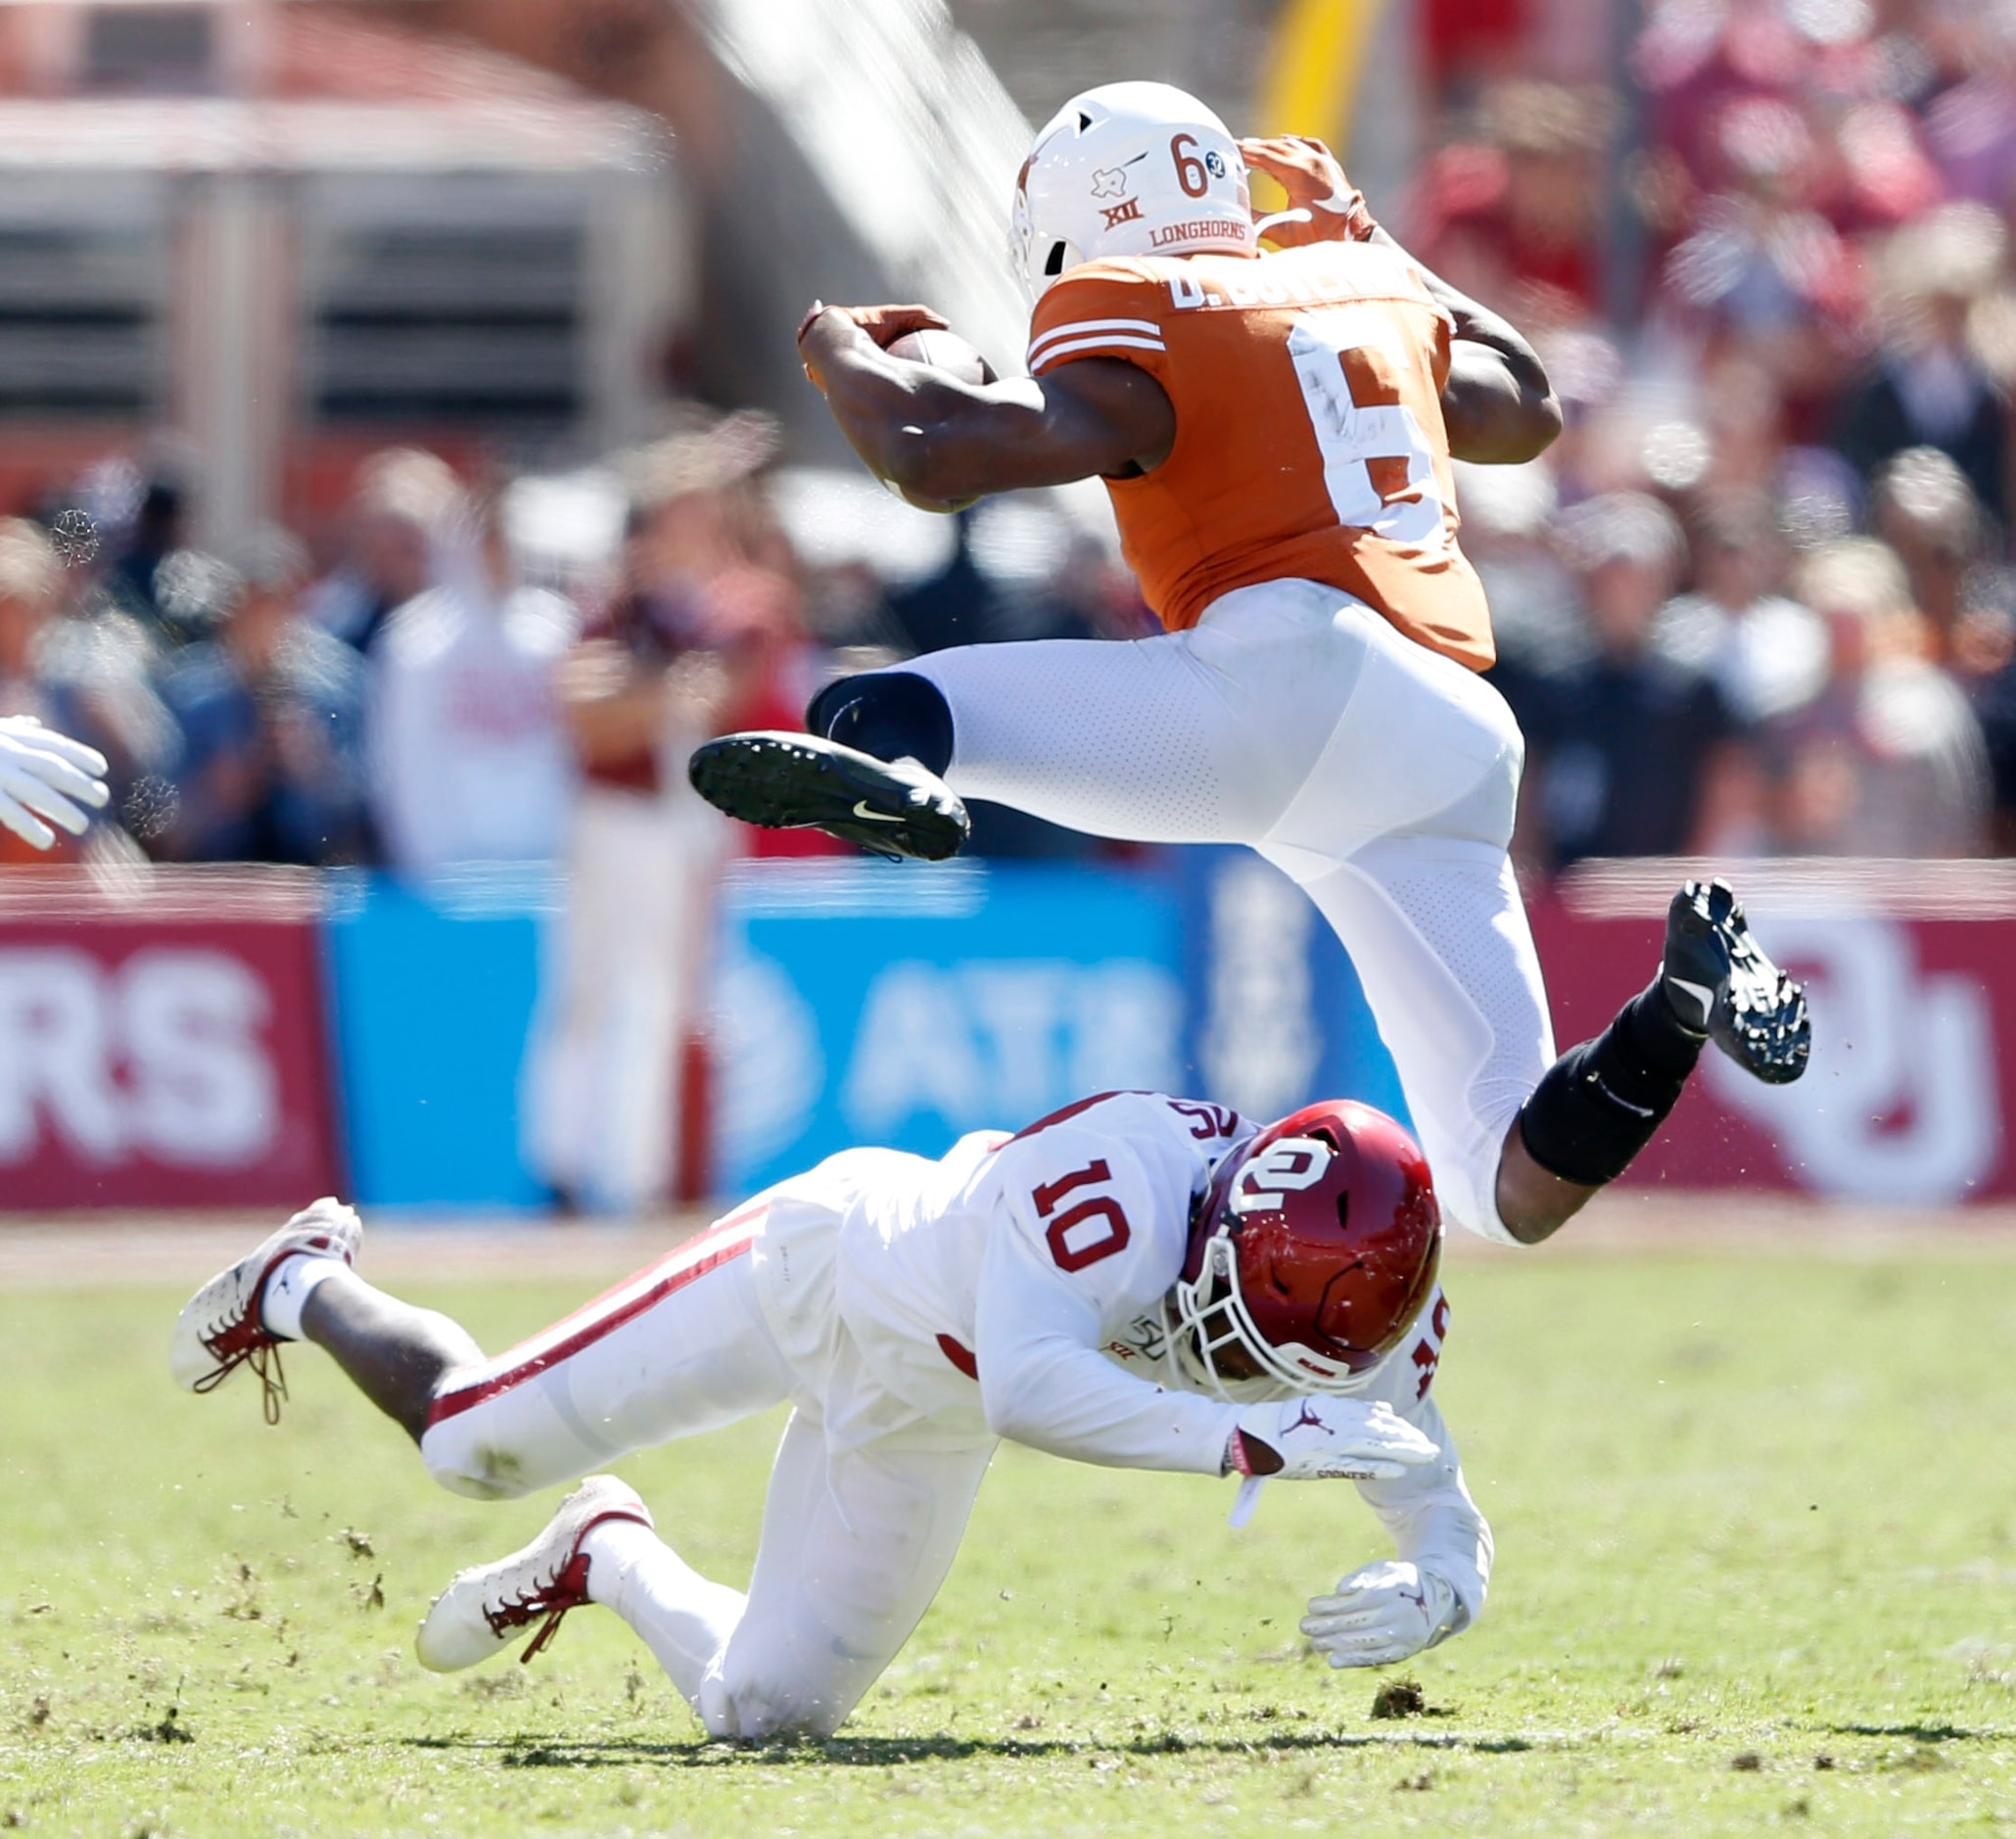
1211 1314
1314 1247
1037 259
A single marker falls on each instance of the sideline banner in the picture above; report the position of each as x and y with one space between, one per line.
436 993
1911 971
875 1004
162 1041
1274 1016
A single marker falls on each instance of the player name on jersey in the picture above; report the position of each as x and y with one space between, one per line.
1354 272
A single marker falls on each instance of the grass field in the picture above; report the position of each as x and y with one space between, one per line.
1757 1533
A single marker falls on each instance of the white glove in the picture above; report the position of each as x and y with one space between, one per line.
1380 1614
42 772
1310 1439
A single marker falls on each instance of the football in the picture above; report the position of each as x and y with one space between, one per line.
946 352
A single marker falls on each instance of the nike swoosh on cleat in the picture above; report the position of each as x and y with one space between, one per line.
1700 992
861 810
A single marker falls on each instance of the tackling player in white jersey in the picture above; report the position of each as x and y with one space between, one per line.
1136 1281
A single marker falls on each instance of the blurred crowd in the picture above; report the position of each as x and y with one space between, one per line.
443 689
511 674
1759 598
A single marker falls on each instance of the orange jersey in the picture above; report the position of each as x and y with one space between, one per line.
1309 438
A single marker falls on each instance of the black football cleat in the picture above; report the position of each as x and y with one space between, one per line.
793 781
1721 984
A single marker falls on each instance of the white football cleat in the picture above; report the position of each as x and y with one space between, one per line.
488 1607
219 1329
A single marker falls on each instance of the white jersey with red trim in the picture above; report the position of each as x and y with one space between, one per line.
1050 1247
1016 1288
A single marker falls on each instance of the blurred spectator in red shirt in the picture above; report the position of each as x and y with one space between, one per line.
1515 218
1468 38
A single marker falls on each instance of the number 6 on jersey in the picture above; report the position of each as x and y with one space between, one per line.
1352 435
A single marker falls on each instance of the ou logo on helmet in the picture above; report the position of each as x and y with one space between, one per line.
1289 1164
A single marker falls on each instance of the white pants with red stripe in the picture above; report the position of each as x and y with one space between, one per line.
857 1537
1380 776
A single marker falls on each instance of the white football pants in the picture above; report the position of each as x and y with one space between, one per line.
856 1540
1378 775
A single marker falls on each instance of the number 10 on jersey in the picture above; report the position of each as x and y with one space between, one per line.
1073 1241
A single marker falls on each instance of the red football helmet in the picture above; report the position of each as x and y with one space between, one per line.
1313 1248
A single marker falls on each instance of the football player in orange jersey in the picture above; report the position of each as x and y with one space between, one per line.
1275 431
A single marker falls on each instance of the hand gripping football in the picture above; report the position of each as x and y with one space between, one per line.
946 352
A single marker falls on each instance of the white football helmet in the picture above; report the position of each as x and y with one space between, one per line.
1129 170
